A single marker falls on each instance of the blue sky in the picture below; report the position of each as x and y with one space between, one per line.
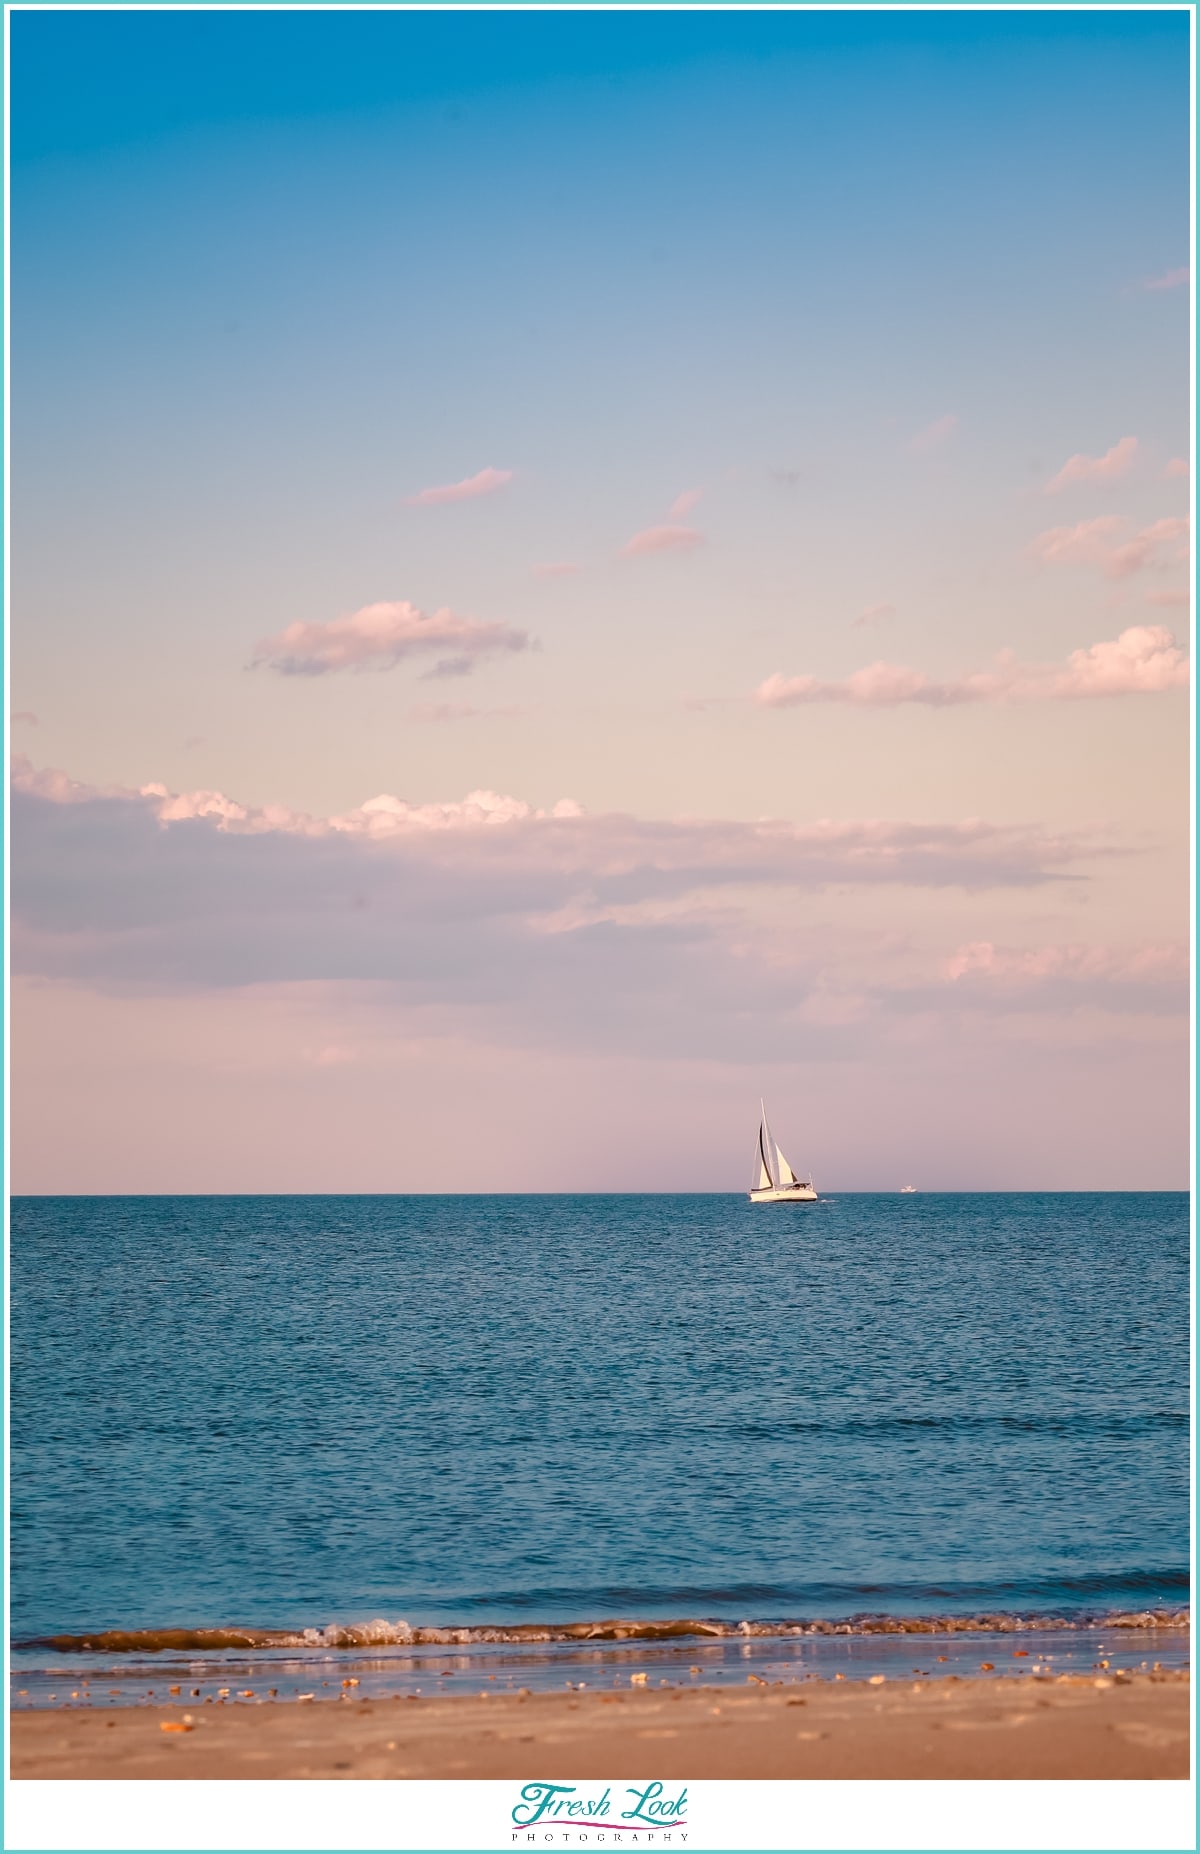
102 80
853 286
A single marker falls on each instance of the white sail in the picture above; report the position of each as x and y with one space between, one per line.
762 1179
786 1176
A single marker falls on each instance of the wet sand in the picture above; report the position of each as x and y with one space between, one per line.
1070 1727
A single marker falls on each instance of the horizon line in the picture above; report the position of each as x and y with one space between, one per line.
847 1191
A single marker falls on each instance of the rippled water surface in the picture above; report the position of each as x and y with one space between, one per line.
285 1412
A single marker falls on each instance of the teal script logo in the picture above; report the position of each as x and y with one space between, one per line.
560 1804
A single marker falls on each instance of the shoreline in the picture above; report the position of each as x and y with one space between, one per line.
379 1633
1068 1726
624 1654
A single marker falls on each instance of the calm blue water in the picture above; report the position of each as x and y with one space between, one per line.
293 1411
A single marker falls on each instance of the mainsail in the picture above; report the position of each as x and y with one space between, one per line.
771 1169
762 1179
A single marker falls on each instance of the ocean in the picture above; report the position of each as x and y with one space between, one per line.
332 1422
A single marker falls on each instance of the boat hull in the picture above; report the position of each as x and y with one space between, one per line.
788 1194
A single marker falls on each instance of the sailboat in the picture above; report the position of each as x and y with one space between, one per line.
773 1180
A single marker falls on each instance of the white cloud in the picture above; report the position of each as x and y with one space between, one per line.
380 636
1143 660
388 816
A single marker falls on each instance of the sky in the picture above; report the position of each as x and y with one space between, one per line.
572 571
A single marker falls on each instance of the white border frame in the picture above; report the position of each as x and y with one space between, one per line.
920 1814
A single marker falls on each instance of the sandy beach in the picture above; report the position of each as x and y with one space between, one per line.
1069 1727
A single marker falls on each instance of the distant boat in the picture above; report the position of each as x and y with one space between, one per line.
908 1190
773 1180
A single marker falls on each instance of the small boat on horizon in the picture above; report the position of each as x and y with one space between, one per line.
773 1181
907 1190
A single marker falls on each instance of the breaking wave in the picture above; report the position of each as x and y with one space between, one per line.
382 1634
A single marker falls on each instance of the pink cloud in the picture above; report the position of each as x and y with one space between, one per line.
483 483
1096 543
425 940
1141 551
685 503
554 569
1080 468
174 807
380 636
383 816
1154 961
1180 596
1087 542
56 788
1177 466
664 540
933 435
639 858
1143 660
1170 279
875 614
25 717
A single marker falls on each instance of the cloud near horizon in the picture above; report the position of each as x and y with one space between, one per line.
1080 468
489 930
1097 543
614 854
381 636
1145 659
667 539
484 483
1149 961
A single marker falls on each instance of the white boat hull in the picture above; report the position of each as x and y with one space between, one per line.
784 1194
